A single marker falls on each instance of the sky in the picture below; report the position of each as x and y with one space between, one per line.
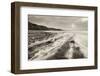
60 22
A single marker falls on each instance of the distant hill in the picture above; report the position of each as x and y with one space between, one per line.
32 26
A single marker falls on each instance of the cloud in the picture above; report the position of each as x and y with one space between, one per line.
60 22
